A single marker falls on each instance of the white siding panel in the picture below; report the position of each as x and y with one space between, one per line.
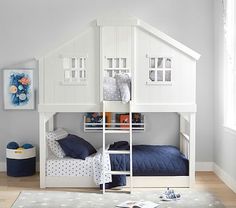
87 44
182 89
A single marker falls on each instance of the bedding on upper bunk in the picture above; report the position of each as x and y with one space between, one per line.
148 160
117 88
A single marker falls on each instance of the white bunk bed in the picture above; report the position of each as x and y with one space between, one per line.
159 65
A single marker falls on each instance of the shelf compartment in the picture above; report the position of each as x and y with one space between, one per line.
98 127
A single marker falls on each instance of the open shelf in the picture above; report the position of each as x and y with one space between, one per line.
113 127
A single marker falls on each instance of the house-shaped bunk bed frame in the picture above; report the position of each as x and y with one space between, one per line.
163 75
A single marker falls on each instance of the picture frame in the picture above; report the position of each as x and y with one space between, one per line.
18 87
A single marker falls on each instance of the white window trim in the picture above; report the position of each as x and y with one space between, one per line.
229 66
79 69
163 69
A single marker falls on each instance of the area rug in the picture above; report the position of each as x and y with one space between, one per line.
56 199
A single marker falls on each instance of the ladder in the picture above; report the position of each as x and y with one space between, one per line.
127 130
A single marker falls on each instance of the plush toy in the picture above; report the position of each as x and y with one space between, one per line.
27 146
12 145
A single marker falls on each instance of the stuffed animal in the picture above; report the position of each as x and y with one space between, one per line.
12 145
27 146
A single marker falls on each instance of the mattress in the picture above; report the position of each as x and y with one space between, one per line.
148 160
69 166
152 160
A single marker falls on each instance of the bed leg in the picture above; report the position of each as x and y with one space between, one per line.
192 150
42 154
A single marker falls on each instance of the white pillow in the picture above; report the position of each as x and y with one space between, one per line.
52 136
123 82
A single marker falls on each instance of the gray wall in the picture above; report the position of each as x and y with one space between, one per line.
30 28
15 125
225 140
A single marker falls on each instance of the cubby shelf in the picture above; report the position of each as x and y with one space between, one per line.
97 127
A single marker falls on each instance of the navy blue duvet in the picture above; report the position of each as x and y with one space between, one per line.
148 160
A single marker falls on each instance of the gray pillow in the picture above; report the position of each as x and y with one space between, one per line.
52 136
123 82
110 89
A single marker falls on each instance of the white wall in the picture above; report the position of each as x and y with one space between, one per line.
225 140
30 28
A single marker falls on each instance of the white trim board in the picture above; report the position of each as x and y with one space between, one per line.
204 166
169 40
225 177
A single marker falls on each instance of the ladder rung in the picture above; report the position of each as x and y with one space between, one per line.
117 131
118 151
118 172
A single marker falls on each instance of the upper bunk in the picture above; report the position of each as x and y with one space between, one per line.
162 71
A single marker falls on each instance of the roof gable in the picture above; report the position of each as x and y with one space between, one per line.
133 21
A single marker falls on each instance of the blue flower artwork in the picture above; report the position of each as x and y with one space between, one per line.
18 89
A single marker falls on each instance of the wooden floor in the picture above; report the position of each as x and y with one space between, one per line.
11 187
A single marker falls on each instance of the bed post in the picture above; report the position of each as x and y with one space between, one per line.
42 154
192 129
181 129
51 124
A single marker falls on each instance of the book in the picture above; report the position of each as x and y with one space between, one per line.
137 204
108 118
124 119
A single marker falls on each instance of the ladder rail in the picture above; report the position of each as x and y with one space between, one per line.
131 146
103 146
129 131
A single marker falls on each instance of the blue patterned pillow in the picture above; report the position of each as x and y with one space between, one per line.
76 147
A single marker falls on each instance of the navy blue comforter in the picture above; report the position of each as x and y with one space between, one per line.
148 160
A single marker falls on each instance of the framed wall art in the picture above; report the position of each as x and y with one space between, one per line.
18 89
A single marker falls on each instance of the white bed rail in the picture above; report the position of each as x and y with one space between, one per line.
187 142
184 144
184 135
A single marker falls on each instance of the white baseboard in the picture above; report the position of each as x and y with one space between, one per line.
225 177
204 166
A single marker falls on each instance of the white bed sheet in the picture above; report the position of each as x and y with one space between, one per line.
91 166
69 166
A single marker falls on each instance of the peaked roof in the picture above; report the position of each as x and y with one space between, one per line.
123 20
133 21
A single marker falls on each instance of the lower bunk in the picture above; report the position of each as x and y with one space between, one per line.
153 166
